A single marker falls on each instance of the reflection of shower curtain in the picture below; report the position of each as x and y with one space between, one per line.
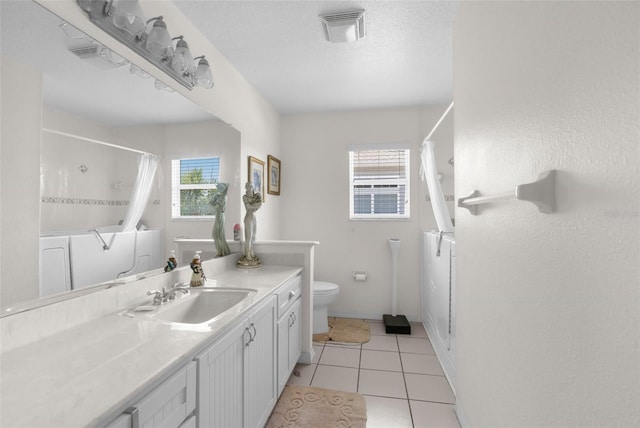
141 191
428 171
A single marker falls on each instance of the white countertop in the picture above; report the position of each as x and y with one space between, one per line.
87 375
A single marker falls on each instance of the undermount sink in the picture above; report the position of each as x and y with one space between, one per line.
201 307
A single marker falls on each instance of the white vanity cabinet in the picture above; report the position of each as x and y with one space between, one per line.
289 329
237 374
170 405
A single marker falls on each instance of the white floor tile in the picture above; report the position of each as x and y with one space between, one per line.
382 343
337 356
380 360
417 330
338 378
421 364
429 388
302 374
399 376
376 328
382 384
385 412
433 415
415 345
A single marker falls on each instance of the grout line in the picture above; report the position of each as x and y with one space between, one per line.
317 364
404 379
359 368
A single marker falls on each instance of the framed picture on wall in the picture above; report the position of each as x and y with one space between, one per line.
273 175
256 175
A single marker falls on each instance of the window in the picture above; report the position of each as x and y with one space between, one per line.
193 186
379 183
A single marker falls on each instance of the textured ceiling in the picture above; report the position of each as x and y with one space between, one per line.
279 47
405 59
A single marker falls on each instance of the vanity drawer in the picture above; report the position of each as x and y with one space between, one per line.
288 293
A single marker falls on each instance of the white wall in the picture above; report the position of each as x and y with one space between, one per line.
108 180
315 195
548 305
21 115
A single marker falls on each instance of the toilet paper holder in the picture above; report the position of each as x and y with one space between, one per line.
360 275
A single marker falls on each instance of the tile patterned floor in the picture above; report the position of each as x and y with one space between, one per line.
399 376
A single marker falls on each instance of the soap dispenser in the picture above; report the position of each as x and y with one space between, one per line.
172 263
197 277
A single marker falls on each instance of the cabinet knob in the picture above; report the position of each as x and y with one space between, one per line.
292 294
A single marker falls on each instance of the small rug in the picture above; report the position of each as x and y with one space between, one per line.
306 406
347 330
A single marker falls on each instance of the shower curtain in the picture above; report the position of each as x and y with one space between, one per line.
428 171
147 167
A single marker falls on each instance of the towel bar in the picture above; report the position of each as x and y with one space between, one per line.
541 192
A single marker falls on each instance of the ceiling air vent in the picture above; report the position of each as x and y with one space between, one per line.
344 26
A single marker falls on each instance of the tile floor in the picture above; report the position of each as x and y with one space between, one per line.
398 375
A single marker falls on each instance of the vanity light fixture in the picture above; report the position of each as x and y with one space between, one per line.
72 32
137 71
183 61
121 20
127 15
159 42
203 76
343 26
161 86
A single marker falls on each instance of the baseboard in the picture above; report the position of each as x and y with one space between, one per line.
375 317
307 357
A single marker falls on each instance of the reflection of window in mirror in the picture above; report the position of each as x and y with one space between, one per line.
193 186
379 183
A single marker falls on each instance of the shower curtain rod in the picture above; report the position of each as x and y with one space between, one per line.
439 121
91 140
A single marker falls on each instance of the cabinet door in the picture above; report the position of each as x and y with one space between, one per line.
295 335
283 351
221 380
289 343
260 380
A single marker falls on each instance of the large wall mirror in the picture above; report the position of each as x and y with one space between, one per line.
99 115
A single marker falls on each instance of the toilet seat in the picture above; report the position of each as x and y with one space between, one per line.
322 287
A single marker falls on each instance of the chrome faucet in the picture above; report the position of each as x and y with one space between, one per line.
164 296
171 294
157 296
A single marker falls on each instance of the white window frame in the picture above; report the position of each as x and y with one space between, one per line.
176 187
380 181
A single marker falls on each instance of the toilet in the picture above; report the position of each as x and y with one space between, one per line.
324 293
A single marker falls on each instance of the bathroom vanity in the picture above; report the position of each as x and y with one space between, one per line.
107 369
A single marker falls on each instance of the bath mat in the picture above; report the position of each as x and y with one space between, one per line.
347 330
309 407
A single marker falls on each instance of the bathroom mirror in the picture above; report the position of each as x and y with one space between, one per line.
95 101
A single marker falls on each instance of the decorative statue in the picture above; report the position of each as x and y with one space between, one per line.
252 201
172 263
219 202
197 277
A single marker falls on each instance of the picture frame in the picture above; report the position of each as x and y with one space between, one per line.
256 175
273 175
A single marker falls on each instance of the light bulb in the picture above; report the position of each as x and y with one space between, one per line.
203 75
133 69
127 16
162 86
159 41
182 61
